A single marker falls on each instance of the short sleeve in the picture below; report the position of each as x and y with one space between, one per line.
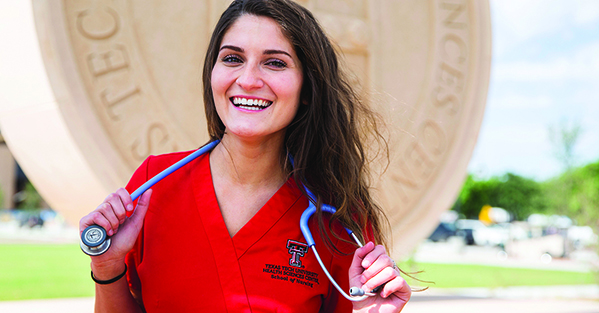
134 257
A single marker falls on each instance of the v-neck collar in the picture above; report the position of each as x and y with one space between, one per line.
207 204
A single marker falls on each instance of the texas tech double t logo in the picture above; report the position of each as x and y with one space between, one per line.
296 249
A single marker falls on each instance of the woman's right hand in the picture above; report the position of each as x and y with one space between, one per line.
112 216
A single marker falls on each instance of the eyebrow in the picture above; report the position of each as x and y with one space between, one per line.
268 52
277 52
234 48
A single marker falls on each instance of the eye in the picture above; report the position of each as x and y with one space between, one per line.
276 63
231 59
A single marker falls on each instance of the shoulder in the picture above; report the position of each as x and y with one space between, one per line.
167 158
155 164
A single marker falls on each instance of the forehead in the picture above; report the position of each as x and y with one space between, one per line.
257 30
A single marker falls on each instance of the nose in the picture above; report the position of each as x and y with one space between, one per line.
250 78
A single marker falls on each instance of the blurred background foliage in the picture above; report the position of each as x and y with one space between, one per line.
29 198
574 193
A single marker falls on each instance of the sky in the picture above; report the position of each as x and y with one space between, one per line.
544 73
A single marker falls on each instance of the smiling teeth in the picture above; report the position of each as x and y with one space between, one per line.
251 104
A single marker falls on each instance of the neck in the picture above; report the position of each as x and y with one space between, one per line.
247 162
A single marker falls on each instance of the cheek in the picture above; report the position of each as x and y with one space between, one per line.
220 83
289 87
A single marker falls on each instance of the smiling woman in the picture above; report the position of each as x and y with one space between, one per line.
273 89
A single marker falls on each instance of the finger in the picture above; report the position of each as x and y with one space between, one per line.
117 206
125 199
356 269
399 287
142 207
371 257
382 262
96 218
107 211
382 277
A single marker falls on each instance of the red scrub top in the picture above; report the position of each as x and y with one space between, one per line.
185 260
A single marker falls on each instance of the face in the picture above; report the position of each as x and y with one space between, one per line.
257 79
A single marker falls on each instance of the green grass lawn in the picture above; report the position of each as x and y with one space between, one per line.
44 271
462 276
62 271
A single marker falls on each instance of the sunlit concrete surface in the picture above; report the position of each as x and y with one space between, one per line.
12 233
79 305
420 303
502 305
551 299
565 292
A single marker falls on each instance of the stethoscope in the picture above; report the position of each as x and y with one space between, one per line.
94 240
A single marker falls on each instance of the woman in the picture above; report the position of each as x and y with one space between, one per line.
221 233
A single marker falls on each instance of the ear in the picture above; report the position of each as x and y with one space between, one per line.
305 102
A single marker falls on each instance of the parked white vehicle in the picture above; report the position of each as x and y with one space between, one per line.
475 232
581 236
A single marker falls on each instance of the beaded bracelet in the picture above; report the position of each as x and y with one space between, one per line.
110 281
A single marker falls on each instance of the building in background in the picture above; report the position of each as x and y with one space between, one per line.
8 176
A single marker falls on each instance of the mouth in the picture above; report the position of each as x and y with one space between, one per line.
250 104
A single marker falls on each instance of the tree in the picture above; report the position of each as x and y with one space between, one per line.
30 198
564 138
575 194
518 195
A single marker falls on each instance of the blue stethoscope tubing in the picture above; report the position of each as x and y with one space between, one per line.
357 294
169 170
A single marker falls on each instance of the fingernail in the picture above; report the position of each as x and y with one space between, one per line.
110 232
362 279
130 207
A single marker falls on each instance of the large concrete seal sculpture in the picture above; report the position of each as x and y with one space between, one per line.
121 80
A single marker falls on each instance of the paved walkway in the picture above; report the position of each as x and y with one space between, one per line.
447 301
79 305
461 305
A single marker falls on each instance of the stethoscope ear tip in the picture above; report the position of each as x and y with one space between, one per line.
356 292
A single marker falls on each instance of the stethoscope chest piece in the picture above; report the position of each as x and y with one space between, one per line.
94 240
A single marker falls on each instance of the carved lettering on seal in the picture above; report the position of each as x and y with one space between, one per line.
111 100
455 11
422 156
156 136
105 62
120 90
88 21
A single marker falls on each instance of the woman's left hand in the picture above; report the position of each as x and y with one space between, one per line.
372 267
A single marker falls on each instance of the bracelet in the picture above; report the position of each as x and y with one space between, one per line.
110 281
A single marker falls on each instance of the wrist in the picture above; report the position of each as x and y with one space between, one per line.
108 269
109 281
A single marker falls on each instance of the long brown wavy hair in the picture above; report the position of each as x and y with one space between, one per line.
328 135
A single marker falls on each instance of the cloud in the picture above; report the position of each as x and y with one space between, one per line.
517 21
525 19
521 102
587 13
581 64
